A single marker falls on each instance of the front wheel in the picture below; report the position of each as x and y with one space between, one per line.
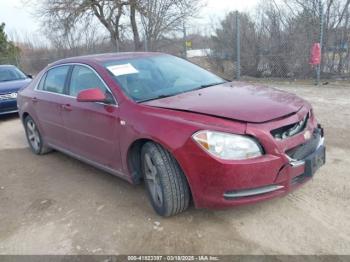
165 182
34 137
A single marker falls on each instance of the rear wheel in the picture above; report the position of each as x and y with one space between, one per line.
165 182
34 137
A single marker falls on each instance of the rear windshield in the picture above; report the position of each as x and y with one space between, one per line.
148 78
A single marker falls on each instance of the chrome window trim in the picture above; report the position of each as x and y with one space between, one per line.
65 95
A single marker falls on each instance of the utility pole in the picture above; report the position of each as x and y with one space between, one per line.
318 68
238 47
185 39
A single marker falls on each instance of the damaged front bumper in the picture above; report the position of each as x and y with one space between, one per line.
286 165
310 164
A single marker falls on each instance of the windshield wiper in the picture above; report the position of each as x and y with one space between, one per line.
165 96
155 98
208 85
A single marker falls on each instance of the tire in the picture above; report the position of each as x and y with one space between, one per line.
34 138
165 181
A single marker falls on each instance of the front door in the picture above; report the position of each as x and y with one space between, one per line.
93 128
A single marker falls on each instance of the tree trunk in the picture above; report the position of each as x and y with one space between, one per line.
115 44
137 42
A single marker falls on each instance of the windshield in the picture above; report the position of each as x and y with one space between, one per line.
149 78
11 74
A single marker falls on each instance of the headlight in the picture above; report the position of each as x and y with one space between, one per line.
228 146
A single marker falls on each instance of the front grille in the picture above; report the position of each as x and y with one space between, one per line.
302 151
290 130
10 96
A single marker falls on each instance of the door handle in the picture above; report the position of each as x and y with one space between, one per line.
34 100
67 107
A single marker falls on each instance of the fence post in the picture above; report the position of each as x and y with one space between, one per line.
238 47
318 69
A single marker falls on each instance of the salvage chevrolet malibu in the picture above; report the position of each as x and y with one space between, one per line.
187 133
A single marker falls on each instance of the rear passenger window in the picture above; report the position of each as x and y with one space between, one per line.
42 82
55 79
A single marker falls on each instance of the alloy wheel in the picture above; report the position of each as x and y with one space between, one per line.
153 180
33 135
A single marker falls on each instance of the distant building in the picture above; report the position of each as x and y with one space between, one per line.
198 53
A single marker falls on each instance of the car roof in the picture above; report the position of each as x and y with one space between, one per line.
102 58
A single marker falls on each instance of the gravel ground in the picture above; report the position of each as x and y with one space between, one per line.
57 205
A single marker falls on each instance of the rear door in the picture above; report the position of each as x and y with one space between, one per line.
92 127
47 102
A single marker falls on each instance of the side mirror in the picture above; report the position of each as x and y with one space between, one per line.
91 95
30 76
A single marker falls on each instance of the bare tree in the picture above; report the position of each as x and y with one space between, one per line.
158 17
134 6
63 15
161 17
84 37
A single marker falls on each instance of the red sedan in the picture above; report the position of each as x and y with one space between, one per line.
186 132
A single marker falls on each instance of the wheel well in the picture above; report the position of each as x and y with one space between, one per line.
25 114
134 160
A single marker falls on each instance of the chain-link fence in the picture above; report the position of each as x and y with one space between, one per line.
275 47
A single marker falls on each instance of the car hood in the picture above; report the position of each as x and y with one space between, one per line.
238 101
13 86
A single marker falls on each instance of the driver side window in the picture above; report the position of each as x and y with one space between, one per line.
85 78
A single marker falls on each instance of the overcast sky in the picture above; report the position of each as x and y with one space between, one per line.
20 20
